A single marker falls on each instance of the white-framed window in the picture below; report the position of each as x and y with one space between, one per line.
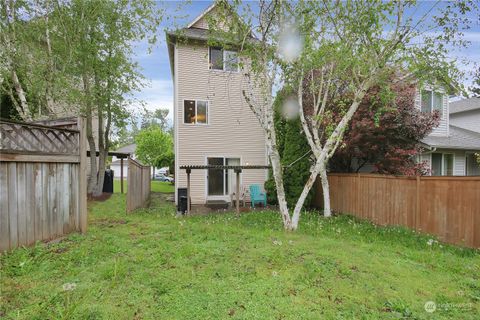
442 164
220 59
432 101
195 112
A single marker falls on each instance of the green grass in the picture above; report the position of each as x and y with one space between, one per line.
157 186
152 265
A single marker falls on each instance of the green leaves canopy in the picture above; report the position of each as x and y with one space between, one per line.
154 147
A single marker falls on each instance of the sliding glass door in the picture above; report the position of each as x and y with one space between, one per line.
221 182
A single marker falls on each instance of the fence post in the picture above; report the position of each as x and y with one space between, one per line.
417 209
82 179
357 203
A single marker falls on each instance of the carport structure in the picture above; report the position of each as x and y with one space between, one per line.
236 169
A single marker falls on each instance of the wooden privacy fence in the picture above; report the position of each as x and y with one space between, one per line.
42 183
138 182
448 207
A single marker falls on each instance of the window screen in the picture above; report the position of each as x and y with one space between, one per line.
216 58
231 61
438 102
448 164
426 101
202 111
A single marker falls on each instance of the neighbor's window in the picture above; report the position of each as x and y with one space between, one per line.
432 101
448 164
195 111
223 59
442 164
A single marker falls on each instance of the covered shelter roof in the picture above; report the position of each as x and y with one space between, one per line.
224 167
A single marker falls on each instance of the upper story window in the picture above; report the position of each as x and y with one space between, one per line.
432 101
195 112
221 59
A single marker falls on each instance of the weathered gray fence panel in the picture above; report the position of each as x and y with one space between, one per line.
139 185
42 183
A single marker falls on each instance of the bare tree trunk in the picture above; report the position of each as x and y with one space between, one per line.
98 190
327 212
49 77
278 177
303 196
92 179
24 110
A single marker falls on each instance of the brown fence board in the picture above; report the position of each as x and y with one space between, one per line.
139 185
448 207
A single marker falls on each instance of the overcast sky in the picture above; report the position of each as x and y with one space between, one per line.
156 67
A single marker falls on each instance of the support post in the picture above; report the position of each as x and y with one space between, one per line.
188 190
237 192
82 177
121 175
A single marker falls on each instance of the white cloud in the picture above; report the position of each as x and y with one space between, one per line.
158 95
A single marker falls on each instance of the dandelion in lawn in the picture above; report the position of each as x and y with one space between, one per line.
69 286
430 242
274 273
277 242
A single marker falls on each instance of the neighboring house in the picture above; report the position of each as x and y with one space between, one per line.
116 163
212 121
456 139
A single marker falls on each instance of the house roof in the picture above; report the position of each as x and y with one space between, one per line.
203 14
465 105
127 149
459 138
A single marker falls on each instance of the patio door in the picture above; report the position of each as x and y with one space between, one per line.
220 182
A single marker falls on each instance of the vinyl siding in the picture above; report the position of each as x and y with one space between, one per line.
469 120
232 129
442 129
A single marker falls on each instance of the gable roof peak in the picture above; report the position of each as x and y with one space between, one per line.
203 14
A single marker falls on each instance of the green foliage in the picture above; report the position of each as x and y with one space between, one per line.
152 265
297 162
293 149
154 147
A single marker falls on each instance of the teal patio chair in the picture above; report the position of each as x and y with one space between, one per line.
257 196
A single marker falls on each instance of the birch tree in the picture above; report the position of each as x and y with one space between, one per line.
330 48
101 36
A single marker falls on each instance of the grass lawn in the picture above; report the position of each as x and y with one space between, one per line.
157 186
152 265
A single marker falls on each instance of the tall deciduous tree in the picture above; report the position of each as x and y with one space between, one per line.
101 35
154 147
332 48
75 58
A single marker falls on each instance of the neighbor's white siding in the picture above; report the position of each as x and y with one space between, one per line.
232 129
469 120
442 129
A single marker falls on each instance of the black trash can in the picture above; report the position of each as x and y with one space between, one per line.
108 181
182 200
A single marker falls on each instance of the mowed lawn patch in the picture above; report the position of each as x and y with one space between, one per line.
157 186
152 265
